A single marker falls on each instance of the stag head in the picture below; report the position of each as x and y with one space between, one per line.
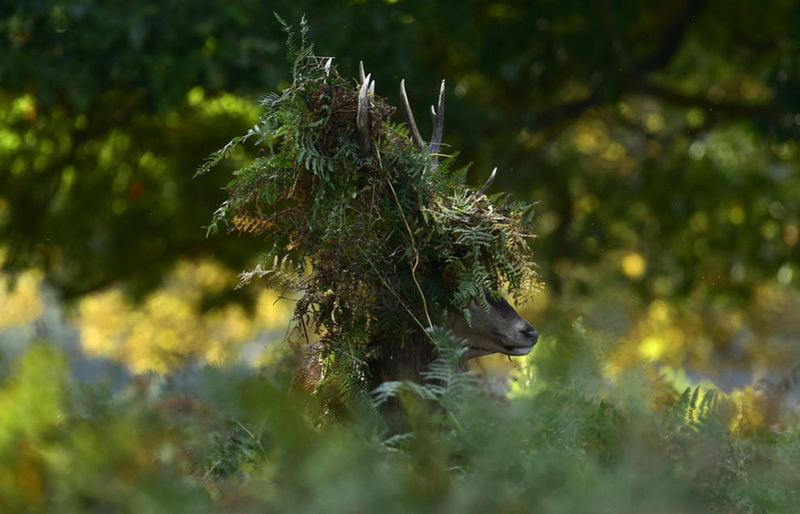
494 326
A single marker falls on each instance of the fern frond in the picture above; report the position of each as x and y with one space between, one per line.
250 225
215 158
444 383
282 275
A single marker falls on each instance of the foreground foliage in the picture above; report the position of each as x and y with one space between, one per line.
238 440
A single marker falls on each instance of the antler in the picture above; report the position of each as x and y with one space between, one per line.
437 116
362 116
488 182
438 125
412 124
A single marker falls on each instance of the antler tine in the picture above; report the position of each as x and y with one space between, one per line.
362 117
488 182
438 129
362 79
328 67
412 124
438 123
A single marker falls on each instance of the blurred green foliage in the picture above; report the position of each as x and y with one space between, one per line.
659 139
231 439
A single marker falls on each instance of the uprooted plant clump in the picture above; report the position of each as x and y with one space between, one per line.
380 241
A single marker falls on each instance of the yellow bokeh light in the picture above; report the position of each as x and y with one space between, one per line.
633 265
20 301
271 310
736 215
654 122
170 325
586 141
25 107
195 96
652 348
660 311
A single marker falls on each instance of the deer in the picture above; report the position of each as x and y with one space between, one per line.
490 324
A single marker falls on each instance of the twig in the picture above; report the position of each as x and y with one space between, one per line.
413 245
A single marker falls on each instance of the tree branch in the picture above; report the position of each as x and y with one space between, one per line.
564 112
671 42
686 100
673 37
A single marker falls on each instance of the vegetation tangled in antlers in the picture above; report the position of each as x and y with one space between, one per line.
379 236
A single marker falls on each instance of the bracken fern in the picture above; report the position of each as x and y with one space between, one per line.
379 244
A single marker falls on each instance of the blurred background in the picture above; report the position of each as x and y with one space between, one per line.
660 141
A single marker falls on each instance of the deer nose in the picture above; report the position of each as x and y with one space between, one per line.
530 334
